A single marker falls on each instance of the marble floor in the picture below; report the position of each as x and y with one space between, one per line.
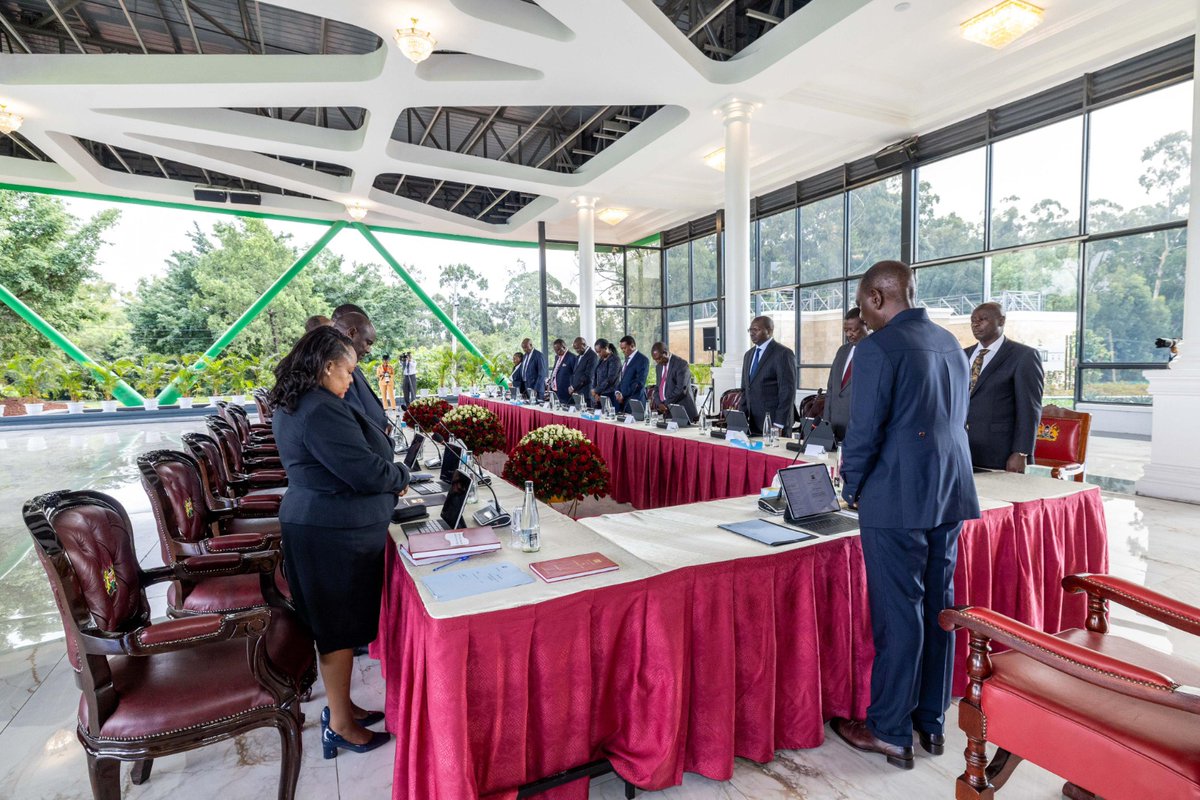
1151 542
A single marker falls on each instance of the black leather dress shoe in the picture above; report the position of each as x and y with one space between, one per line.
932 743
859 736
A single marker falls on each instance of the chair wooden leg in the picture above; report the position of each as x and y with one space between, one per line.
105 775
975 783
289 764
1074 792
1001 768
141 771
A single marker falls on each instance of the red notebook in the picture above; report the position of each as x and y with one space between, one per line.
561 569
437 544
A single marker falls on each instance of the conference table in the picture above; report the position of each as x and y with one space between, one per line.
702 647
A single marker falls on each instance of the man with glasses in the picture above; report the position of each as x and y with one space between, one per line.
768 380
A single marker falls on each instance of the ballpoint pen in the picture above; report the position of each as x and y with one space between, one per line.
451 563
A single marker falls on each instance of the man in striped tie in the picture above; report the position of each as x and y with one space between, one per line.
841 374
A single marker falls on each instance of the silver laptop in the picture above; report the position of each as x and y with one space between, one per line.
451 517
811 503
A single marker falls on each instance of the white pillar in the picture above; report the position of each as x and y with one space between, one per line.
586 215
1174 468
737 227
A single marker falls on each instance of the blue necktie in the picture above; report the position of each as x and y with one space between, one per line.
754 363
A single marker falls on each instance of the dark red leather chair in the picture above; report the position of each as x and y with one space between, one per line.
1115 718
155 689
1062 440
187 528
218 494
208 452
251 434
252 446
239 461
262 400
730 400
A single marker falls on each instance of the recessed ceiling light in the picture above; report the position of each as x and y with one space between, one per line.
415 44
9 120
716 159
612 215
1002 24
356 211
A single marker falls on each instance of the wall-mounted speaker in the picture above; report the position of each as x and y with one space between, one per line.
898 154
210 194
710 339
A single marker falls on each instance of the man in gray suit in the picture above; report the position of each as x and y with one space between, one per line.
837 392
768 379
673 382
1006 394
584 370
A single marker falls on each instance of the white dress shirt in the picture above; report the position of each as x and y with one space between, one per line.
850 357
993 348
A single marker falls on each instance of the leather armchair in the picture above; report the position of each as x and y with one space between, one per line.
262 400
1115 718
208 452
730 400
156 689
251 435
267 471
1061 443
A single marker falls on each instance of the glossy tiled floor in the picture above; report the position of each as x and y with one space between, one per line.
1151 541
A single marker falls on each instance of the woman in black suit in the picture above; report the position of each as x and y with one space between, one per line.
342 487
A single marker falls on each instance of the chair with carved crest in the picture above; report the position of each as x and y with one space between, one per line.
1062 440
155 689
1113 717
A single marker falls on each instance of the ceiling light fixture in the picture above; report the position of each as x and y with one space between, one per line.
1002 24
415 44
9 120
356 211
716 159
612 216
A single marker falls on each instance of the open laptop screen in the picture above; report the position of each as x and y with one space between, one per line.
414 450
456 499
808 490
451 454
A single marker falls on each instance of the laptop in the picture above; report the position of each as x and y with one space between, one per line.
637 408
734 421
451 455
451 517
678 415
412 456
811 503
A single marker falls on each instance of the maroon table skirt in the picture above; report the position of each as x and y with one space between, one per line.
650 470
685 670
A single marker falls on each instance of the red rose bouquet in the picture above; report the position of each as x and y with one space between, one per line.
477 427
563 464
424 412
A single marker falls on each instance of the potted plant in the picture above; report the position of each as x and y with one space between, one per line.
109 378
185 379
213 377
478 428
75 382
424 412
235 369
152 376
32 378
563 464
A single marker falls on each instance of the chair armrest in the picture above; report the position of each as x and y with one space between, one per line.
240 543
1145 601
178 634
1065 471
259 463
198 568
266 478
258 505
1074 660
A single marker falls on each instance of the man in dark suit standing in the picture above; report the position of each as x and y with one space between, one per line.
907 467
515 380
533 369
357 326
631 383
673 381
608 371
560 375
841 374
768 380
1006 385
584 371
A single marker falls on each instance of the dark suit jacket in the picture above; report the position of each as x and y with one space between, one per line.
905 460
339 464
565 371
515 381
608 370
772 389
581 375
362 398
632 381
678 389
1006 405
533 370
837 398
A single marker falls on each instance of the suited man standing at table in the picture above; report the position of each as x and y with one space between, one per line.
768 379
560 374
584 370
631 383
515 381
841 374
673 382
608 372
1006 383
907 467
533 369
358 328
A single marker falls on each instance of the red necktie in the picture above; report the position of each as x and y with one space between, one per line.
846 374
662 384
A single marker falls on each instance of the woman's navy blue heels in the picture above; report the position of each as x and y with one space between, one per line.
372 718
332 742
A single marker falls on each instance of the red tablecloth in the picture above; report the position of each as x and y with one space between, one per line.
651 470
688 669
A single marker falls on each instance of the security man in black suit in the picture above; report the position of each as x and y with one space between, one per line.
1006 394
357 326
673 379
584 370
768 379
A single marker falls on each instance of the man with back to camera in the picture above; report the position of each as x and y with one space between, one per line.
584 370
357 326
837 391
631 382
1006 383
533 369
316 321
560 375
907 467
608 371
768 380
673 382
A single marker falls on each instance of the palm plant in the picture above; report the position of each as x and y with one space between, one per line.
76 382
32 376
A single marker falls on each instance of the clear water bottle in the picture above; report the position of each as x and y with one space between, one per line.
768 430
514 530
531 528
